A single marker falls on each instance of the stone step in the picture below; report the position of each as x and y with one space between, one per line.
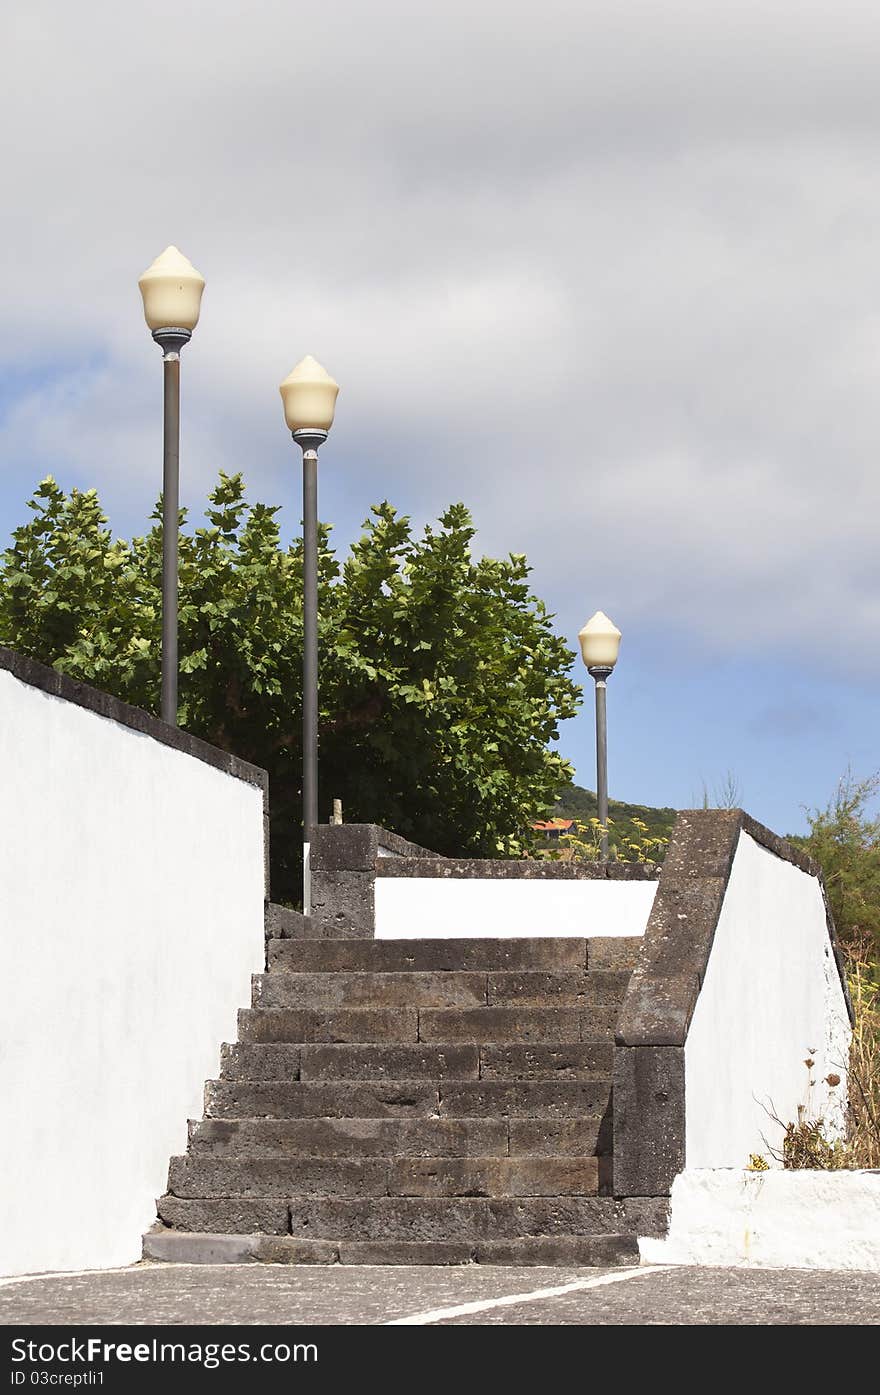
474 1218
494 1177
279 1061
517 1024
541 989
568 1137
542 1099
274 1099
252 1061
276 1061
309 1025
345 990
257 1176
353 1138
254 1177
615 952
563 1060
391 956
434 1025
469 1219
581 1251
449 989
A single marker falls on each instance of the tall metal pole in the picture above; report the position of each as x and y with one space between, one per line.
170 523
601 676
310 666
171 341
309 439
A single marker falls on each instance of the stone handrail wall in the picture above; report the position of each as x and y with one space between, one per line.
650 1074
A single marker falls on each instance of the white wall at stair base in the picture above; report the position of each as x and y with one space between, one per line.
772 1220
131 918
513 908
771 999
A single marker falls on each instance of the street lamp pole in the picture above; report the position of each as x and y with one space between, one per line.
309 397
310 442
172 293
600 643
601 678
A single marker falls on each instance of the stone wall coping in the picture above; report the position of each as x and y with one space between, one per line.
360 847
664 987
49 680
497 869
649 1075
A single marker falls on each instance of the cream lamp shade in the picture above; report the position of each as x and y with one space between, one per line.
600 641
309 396
172 292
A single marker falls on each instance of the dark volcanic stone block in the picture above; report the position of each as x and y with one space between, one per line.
394 956
302 1025
605 1251
346 899
405 1252
283 923
496 1177
231 1215
615 952
256 1061
542 1137
410 1062
357 1138
570 1061
547 1099
556 989
320 1099
272 1177
500 1024
457 1218
649 1119
342 989
284 1249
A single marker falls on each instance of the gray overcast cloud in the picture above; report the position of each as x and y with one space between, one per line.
608 272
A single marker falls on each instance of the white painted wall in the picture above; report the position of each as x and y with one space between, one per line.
131 919
516 907
780 1220
771 995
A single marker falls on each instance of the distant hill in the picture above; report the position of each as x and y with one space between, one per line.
577 803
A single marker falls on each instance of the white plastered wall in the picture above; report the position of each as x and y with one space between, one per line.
509 907
131 919
776 1219
771 999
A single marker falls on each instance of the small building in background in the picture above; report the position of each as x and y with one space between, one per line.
553 829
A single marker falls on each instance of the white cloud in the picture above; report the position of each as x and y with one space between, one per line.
609 271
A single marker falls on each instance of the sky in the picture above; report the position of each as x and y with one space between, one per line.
608 272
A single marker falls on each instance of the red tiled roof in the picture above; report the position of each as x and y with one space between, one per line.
562 824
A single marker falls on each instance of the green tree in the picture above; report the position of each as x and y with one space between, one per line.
844 838
442 681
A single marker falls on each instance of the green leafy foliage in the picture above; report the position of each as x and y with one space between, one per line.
844 838
442 681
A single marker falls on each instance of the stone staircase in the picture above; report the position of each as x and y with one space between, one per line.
413 1101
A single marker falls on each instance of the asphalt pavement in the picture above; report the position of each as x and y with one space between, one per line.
174 1294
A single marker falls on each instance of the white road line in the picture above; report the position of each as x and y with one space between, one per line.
137 1266
60 1274
511 1299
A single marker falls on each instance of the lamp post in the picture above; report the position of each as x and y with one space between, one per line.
600 643
309 396
172 292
